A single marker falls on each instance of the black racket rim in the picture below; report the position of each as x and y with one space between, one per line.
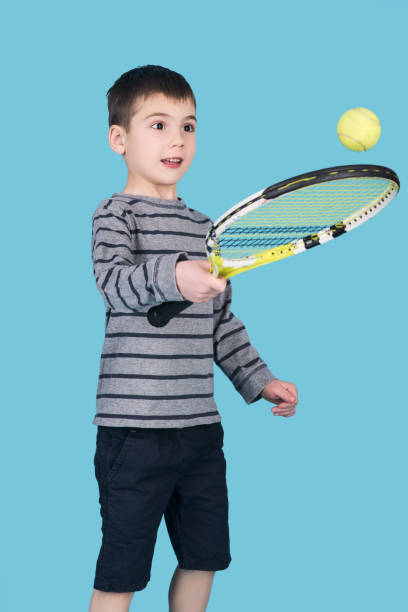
312 178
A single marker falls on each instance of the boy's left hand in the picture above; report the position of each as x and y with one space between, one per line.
281 390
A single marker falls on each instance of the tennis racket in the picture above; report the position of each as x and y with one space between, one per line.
288 218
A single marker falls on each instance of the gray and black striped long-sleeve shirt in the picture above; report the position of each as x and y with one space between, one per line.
162 376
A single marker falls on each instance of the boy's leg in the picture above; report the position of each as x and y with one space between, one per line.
103 601
190 590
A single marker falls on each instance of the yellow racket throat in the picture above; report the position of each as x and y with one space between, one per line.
222 267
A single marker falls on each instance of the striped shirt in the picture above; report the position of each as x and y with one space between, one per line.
162 376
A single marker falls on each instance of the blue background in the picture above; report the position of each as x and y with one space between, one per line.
318 502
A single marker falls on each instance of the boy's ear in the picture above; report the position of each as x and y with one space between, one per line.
116 140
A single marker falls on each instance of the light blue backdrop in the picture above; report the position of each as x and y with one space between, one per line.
318 502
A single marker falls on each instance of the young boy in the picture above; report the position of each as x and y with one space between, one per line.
160 438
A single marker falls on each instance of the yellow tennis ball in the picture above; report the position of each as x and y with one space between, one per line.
359 129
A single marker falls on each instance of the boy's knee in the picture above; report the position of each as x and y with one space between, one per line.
125 595
110 601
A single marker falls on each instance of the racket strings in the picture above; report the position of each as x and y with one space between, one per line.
298 214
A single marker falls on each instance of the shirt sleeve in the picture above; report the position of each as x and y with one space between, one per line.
123 283
233 351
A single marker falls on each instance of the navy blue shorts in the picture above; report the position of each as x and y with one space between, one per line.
143 473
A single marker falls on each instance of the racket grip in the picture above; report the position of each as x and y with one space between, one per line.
160 315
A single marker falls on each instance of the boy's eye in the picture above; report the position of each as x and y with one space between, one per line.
189 124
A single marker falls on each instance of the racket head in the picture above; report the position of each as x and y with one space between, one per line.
294 215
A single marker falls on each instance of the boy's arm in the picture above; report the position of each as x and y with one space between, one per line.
122 283
233 351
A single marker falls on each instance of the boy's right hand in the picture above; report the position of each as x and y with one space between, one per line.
195 281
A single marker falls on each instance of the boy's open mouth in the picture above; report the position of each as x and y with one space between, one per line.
172 162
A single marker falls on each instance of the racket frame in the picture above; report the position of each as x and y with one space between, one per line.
229 267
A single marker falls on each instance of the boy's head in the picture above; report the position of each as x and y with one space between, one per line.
143 140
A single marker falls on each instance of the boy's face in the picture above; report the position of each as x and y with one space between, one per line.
153 138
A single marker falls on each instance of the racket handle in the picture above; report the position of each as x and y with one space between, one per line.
160 315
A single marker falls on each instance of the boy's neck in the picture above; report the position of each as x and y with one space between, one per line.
162 192
149 195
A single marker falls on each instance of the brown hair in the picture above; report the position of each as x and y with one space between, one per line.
140 83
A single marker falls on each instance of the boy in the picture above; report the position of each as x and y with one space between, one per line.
159 440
